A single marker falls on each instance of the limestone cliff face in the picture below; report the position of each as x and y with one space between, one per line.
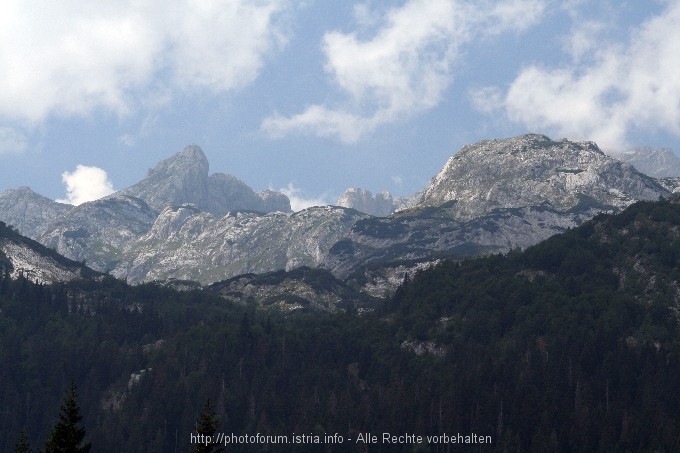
273 201
180 179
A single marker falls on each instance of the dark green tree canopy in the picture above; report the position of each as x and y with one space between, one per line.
23 446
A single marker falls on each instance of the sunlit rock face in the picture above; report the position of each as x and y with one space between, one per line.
533 170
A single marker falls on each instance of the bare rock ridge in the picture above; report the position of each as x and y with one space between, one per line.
190 244
181 222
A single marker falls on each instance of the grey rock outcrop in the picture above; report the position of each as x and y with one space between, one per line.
363 200
299 289
180 179
273 201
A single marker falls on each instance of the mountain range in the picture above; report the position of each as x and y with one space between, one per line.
180 222
569 345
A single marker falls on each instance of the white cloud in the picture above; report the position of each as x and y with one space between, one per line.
72 57
85 184
608 89
12 141
298 201
512 15
584 38
404 68
325 122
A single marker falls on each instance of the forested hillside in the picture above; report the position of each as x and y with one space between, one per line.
571 345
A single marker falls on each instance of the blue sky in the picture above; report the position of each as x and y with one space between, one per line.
314 97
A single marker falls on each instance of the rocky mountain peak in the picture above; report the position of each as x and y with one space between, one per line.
180 179
533 170
183 179
191 158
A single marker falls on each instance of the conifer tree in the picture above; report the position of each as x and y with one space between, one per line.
67 436
206 428
22 446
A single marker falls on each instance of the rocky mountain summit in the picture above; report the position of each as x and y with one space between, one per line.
533 170
183 179
100 232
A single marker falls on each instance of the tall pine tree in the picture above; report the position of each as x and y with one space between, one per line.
67 436
206 428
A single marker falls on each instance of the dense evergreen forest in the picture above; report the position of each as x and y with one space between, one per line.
570 345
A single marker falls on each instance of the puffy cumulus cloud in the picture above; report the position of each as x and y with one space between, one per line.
85 184
404 67
71 57
298 201
606 90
